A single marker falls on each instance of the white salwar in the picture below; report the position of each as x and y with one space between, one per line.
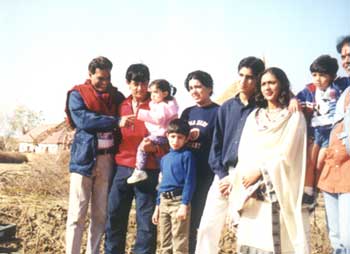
278 149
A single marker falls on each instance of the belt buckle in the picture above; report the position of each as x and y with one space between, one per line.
168 194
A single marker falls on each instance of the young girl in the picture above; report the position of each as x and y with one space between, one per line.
163 109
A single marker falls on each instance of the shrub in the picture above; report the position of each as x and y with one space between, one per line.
12 157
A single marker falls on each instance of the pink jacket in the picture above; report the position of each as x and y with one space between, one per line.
158 117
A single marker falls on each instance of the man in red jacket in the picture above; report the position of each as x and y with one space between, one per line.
121 193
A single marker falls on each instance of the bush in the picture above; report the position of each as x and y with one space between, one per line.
44 175
8 144
12 157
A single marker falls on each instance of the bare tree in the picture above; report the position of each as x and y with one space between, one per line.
20 121
24 119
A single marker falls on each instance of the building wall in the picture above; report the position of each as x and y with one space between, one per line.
26 148
47 148
41 148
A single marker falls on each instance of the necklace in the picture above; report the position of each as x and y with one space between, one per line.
273 110
273 114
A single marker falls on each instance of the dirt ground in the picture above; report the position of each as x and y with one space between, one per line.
34 196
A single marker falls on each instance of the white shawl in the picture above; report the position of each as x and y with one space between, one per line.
280 149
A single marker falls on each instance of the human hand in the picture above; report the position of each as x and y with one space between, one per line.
232 219
250 177
147 146
155 216
126 121
225 186
294 105
181 213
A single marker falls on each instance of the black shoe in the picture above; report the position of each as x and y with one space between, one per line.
309 201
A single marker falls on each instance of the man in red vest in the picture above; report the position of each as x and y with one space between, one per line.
92 110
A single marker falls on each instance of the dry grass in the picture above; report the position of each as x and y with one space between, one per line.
44 175
34 196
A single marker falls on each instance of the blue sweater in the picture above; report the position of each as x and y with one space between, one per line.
178 172
202 122
227 134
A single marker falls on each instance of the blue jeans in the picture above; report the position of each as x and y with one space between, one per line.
338 221
321 136
119 205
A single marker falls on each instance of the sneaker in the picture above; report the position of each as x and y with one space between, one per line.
137 176
309 201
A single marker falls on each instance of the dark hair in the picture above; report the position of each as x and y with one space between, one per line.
138 73
342 41
325 64
201 76
283 83
179 126
255 64
100 62
164 86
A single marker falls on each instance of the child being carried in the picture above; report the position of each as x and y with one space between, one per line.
163 109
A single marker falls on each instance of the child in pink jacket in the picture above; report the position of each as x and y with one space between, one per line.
163 109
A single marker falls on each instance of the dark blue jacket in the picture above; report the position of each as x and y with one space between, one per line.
88 123
229 124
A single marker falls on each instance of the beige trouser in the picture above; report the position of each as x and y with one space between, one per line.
174 234
82 190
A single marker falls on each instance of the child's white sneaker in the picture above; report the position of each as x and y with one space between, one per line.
137 176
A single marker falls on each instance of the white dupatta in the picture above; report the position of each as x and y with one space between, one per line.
280 150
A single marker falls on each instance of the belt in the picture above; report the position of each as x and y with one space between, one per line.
171 194
105 151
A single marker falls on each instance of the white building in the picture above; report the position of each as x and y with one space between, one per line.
49 138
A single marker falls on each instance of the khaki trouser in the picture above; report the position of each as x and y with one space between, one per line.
174 234
83 190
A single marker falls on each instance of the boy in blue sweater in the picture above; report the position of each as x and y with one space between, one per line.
175 191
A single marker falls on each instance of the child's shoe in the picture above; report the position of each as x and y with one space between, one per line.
137 176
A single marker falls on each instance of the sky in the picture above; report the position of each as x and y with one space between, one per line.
46 45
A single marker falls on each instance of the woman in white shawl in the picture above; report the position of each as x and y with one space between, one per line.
269 177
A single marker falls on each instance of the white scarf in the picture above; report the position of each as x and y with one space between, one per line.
280 149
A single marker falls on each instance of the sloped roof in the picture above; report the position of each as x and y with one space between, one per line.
49 134
34 133
55 137
231 91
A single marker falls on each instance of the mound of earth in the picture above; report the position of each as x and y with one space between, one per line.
34 197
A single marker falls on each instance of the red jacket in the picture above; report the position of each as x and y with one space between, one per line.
132 137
